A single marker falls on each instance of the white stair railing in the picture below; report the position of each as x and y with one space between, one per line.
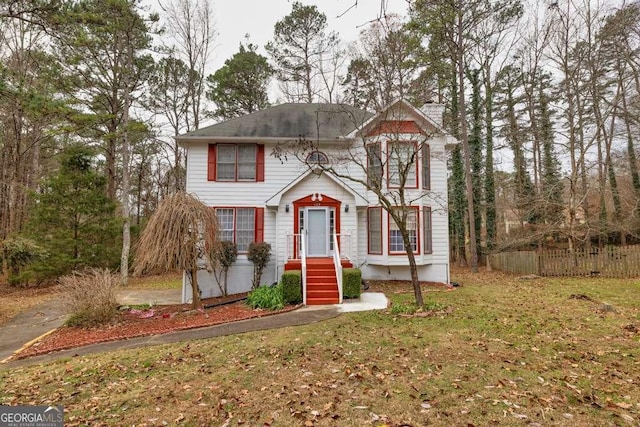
303 256
337 263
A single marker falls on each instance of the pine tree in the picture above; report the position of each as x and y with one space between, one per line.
73 219
239 87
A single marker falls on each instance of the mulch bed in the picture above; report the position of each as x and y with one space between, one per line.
153 321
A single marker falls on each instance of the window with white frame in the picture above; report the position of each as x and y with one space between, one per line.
401 160
237 225
426 167
225 221
374 164
428 235
236 162
396 244
374 226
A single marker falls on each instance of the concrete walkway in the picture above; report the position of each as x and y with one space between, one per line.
28 326
149 296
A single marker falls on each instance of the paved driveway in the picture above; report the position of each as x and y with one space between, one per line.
29 325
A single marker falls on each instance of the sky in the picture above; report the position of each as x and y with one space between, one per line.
236 18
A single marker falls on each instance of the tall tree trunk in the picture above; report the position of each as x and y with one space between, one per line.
415 281
475 145
489 178
125 199
465 139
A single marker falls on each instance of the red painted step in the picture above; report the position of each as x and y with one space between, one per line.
322 285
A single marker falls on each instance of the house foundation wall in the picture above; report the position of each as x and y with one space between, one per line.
239 280
428 273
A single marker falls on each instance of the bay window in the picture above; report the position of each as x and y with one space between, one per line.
374 226
396 244
401 161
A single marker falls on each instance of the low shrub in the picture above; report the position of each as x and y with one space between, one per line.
351 282
18 253
89 296
292 286
222 257
266 298
259 254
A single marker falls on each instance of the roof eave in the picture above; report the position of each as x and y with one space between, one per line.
183 141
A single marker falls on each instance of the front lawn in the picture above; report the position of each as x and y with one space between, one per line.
506 352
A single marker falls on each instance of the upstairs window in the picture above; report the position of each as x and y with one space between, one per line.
374 165
426 167
317 157
236 162
402 164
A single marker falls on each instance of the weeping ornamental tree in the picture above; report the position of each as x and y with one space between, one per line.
178 236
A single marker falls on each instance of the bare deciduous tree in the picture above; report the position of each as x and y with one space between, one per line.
191 25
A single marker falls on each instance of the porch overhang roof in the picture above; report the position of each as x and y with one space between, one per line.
274 200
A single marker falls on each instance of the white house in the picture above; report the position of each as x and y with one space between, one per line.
311 217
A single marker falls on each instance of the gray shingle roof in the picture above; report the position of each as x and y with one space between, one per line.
287 121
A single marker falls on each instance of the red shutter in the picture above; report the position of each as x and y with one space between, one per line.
260 164
259 225
211 163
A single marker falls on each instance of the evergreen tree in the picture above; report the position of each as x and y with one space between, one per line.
239 87
552 188
458 189
475 143
512 131
103 46
300 45
73 219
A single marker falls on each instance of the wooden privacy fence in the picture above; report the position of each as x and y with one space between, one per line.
610 261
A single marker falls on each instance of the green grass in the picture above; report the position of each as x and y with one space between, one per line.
505 352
